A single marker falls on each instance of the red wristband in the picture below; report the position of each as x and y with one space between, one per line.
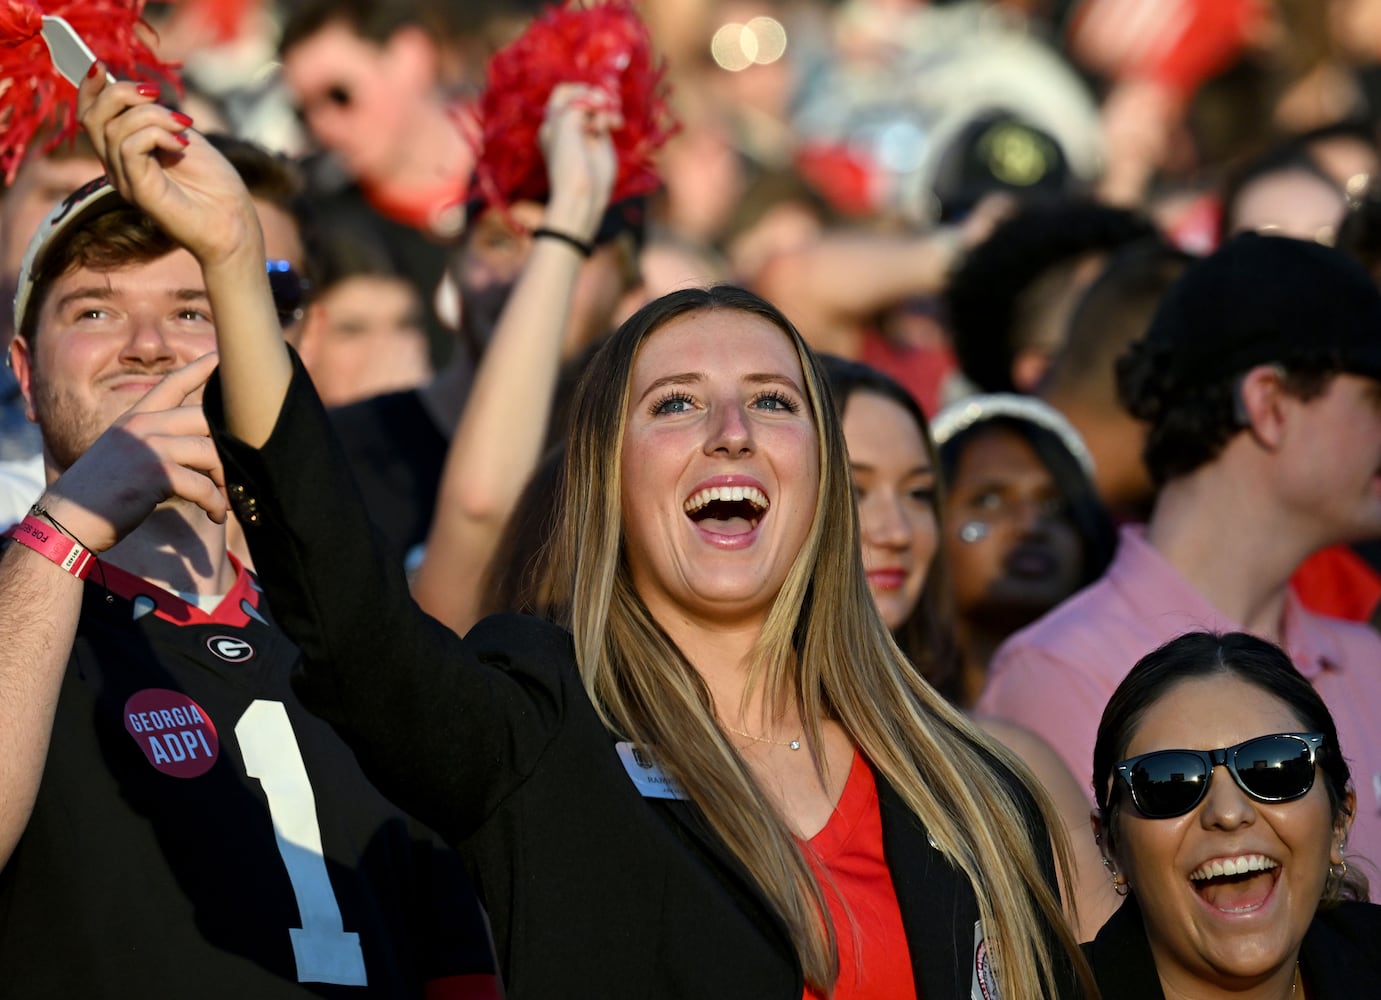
47 541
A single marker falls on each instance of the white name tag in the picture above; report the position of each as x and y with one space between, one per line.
649 779
984 982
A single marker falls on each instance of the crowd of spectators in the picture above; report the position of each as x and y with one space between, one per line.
1122 257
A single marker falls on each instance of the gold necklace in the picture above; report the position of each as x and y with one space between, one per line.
793 744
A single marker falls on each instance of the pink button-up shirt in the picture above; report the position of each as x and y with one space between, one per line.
1055 676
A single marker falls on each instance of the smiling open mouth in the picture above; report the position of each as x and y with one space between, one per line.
1236 885
728 510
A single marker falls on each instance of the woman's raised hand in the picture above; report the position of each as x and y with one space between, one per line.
193 194
578 148
157 162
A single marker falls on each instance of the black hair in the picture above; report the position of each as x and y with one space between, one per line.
984 300
1359 236
1189 427
1097 536
927 635
374 20
1114 310
1207 654
351 248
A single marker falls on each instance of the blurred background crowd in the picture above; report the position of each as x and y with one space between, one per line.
984 199
983 196
817 139
806 125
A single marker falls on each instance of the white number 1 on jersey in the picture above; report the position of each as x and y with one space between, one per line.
325 951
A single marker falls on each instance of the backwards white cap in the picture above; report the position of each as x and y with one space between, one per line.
92 198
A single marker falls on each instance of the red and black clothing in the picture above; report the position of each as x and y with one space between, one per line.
198 833
850 856
592 889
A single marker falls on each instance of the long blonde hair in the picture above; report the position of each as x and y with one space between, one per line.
823 648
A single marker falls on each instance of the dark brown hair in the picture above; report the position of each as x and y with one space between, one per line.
927 634
1208 654
118 238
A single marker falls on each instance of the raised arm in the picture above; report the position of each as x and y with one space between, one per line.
840 282
499 440
183 184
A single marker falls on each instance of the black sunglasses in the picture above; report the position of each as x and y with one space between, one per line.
289 291
1275 768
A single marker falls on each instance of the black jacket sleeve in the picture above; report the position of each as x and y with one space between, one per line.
445 727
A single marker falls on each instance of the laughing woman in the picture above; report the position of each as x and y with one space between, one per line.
1226 831
724 781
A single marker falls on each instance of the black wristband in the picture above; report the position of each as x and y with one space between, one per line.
581 247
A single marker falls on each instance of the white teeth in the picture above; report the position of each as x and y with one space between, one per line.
752 494
1233 866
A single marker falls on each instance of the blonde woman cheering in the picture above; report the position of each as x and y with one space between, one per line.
724 780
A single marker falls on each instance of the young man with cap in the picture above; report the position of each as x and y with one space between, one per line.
171 820
43 180
1260 380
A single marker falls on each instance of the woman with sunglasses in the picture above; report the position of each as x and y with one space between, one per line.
1224 803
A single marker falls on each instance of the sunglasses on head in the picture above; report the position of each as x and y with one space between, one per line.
289 291
1275 768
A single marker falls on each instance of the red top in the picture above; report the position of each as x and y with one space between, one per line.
1179 43
922 371
874 961
1336 581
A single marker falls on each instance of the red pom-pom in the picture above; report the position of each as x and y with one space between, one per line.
604 45
19 21
34 95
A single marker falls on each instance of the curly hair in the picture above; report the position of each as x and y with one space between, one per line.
985 300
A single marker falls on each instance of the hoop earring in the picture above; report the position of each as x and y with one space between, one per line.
1119 882
1340 873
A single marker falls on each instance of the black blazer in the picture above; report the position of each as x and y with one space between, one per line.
1340 958
592 890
